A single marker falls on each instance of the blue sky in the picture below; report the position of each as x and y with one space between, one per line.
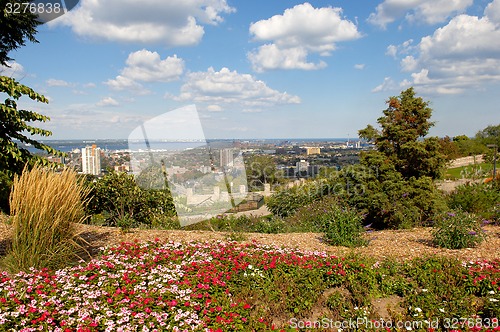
263 68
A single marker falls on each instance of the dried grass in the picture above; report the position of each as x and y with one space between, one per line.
44 208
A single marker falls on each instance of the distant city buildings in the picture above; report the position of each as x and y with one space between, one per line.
301 167
226 158
91 160
313 150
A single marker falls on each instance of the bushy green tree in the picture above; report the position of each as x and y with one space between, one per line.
16 29
399 191
16 124
489 135
449 148
15 128
469 147
405 123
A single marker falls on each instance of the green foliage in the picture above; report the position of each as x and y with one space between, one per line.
126 205
5 185
489 135
44 208
405 122
399 192
482 199
343 227
312 217
240 224
261 169
457 230
15 125
449 148
287 200
439 290
469 147
387 199
16 29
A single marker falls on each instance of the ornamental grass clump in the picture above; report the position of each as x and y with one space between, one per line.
44 208
457 230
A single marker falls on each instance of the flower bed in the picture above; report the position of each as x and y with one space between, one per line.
218 286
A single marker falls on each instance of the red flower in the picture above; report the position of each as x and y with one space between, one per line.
246 306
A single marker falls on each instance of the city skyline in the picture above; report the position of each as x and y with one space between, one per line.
263 69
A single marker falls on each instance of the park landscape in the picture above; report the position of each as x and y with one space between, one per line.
375 246
372 247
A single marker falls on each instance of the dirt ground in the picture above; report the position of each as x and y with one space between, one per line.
397 244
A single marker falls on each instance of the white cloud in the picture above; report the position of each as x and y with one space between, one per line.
15 70
461 55
54 82
425 11
464 54
359 66
225 87
392 51
124 83
169 22
146 66
492 11
108 101
297 33
408 63
404 48
214 108
89 85
387 85
270 56
86 120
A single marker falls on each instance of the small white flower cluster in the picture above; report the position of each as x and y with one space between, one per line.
253 272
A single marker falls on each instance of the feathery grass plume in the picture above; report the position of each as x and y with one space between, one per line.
44 208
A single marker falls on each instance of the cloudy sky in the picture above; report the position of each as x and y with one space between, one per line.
263 68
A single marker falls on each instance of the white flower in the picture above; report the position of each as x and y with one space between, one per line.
424 290
418 309
493 300
250 266
441 309
491 292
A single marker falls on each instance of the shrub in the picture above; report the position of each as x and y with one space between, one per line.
286 201
478 198
388 200
118 197
44 207
312 217
343 227
457 230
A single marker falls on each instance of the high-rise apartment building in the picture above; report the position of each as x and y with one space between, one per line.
91 160
226 158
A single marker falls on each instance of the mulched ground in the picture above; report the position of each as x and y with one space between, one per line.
400 245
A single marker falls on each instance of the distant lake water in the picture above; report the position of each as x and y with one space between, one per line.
123 144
